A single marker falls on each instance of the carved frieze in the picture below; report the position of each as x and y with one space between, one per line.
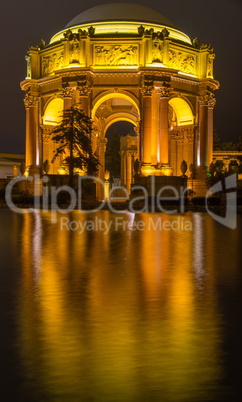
182 61
115 55
52 62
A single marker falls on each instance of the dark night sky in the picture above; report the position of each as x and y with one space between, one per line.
24 23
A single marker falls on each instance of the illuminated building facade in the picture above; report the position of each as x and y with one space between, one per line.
124 62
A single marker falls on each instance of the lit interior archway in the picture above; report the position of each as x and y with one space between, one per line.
102 98
52 115
182 110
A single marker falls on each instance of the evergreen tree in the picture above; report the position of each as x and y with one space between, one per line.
73 138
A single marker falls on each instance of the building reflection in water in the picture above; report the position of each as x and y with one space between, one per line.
117 313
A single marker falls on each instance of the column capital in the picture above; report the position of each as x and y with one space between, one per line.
30 100
67 92
84 88
207 98
164 91
147 90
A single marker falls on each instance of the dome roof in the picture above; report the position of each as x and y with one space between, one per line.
119 12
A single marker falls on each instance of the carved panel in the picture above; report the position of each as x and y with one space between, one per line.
51 63
182 61
115 55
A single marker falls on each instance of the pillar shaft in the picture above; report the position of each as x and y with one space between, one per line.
210 135
203 135
147 116
83 102
67 102
31 135
129 171
164 156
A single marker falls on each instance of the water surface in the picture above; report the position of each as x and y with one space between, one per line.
125 315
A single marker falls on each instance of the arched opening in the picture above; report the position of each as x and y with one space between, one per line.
116 98
121 142
52 115
183 112
116 116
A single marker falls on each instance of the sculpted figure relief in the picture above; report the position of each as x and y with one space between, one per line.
182 61
52 63
116 55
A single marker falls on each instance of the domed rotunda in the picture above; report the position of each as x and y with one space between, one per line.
124 62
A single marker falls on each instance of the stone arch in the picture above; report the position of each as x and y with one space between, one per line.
119 117
52 111
182 110
103 96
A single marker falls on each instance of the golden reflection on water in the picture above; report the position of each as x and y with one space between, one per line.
122 316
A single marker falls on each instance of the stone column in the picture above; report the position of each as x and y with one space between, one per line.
206 105
164 93
129 170
102 148
31 105
211 104
203 133
147 118
122 167
137 130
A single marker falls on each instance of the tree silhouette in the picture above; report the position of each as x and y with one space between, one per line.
73 136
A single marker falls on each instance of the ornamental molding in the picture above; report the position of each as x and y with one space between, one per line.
50 81
185 81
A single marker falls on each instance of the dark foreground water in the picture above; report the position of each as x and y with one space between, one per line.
126 315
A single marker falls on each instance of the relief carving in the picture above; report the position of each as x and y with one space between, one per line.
52 63
118 55
182 61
